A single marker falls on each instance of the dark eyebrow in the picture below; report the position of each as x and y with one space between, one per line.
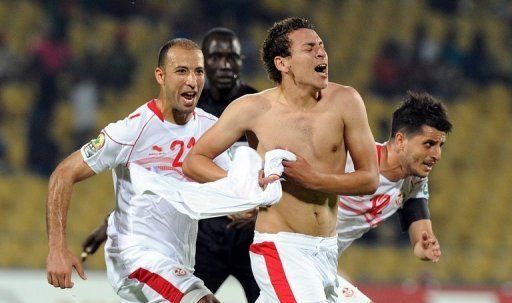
181 66
309 44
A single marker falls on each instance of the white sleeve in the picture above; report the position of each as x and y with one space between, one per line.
419 189
110 149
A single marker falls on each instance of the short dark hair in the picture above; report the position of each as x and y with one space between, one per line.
217 32
419 109
178 42
278 44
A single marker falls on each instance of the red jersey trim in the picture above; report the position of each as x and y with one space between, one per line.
379 152
275 270
134 116
135 143
158 284
154 108
113 140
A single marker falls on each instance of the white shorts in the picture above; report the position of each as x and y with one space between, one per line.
292 267
143 275
348 293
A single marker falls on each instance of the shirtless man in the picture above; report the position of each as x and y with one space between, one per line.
294 253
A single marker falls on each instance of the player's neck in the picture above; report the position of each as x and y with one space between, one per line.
391 165
171 115
302 96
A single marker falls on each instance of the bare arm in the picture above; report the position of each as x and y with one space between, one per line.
359 140
60 260
233 123
424 242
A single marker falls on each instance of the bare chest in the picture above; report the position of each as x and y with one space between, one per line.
315 136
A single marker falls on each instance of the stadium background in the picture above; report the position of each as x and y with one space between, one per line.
460 51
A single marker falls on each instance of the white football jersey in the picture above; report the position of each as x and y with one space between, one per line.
359 214
145 138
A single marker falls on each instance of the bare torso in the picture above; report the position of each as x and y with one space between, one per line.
314 133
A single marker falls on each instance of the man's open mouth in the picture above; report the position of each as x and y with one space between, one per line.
189 95
321 68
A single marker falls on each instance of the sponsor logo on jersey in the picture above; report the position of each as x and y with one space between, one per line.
179 272
94 146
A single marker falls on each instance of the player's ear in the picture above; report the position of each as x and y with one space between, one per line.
159 75
282 64
400 140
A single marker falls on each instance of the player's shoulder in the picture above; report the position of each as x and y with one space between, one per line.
342 94
251 103
128 129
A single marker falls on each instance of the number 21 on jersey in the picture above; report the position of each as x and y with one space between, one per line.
182 150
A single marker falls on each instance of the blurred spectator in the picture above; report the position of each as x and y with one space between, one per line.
422 61
84 97
450 7
8 67
49 58
388 71
119 66
479 67
9 63
449 66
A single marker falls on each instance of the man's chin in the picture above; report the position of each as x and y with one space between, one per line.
421 174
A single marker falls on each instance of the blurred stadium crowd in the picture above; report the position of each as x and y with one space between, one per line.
69 67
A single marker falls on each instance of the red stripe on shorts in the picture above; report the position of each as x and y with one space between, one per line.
158 284
275 270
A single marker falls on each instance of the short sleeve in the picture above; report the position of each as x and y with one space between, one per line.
110 149
419 189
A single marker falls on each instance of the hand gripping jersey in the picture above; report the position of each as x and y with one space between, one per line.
145 138
358 214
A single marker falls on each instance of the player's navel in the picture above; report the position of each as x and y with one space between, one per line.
334 148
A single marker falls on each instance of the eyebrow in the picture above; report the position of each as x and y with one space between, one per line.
312 43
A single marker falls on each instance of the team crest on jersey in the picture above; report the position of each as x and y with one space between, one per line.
424 188
94 146
179 272
347 292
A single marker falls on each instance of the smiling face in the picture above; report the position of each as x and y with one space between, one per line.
223 60
181 78
308 63
421 151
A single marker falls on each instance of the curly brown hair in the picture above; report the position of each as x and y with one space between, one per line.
278 44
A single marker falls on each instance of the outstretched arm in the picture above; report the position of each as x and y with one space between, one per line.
199 164
60 260
424 242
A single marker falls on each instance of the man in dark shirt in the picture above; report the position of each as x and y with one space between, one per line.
223 61
223 249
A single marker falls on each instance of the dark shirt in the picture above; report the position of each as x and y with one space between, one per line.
216 107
